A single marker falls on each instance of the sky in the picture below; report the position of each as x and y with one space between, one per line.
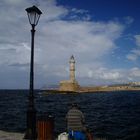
103 36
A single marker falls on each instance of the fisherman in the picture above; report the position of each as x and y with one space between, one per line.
75 123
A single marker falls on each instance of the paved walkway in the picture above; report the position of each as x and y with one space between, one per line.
19 136
10 136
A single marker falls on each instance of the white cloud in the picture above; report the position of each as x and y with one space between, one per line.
108 76
56 40
128 20
135 53
102 73
81 11
135 72
12 54
79 14
132 57
137 37
14 2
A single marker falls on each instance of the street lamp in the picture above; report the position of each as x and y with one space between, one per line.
31 134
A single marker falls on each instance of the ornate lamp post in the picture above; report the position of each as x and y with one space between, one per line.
33 16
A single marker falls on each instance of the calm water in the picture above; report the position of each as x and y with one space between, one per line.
115 115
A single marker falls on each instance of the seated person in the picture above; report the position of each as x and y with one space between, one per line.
75 123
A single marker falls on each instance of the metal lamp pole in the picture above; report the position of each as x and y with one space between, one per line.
31 134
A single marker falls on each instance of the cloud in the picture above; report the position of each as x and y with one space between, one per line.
132 57
135 72
137 38
103 73
135 53
78 14
88 41
14 2
60 33
128 20
106 76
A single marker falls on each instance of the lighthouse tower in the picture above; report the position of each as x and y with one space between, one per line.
72 69
71 84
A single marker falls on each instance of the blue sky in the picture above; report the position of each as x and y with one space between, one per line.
103 35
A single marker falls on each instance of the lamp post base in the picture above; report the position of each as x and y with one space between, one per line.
31 133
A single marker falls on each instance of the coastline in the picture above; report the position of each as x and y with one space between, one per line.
91 90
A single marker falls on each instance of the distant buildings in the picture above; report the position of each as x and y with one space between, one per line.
134 83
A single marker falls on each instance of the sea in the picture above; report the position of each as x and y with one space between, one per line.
114 115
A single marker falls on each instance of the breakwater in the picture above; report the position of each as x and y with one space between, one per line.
98 89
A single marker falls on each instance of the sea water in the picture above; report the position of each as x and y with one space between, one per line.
115 115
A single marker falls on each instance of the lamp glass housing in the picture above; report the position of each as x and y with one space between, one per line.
33 15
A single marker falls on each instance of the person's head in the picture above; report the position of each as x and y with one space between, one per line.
74 105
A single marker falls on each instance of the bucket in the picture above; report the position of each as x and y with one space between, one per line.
63 136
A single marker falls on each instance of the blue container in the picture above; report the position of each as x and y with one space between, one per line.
77 135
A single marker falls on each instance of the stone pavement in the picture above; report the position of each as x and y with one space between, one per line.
19 136
10 136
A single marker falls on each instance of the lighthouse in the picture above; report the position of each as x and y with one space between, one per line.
71 84
72 69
